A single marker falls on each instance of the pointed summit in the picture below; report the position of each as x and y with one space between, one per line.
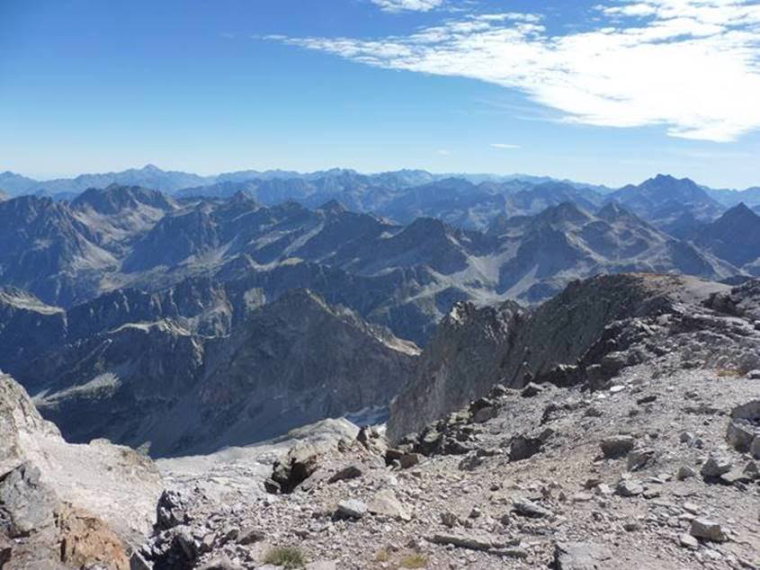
333 207
740 212
735 236
613 212
564 212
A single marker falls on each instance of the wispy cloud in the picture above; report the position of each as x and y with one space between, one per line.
692 66
505 146
407 5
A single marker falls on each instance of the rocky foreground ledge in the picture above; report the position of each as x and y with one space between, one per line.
637 447
64 505
622 432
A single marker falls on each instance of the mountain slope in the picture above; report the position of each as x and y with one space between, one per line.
119 215
48 251
565 243
514 347
290 362
735 236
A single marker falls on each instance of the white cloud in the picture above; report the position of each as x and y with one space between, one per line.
443 152
505 146
692 66
407 5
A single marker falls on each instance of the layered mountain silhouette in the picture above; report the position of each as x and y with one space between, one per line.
251 307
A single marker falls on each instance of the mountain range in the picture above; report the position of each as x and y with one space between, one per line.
138 309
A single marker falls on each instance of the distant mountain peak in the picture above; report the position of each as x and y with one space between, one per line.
740 209
242 197
333 207
739 218
668 177
613 211
564 212
151 168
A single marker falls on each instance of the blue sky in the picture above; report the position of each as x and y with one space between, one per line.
609 91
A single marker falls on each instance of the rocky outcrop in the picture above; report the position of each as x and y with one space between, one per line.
459 364
579 335
66 505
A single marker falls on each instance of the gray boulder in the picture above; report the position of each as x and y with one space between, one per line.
616 446
581 556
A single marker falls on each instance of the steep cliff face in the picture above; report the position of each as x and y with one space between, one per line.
460 363
64 505
478 348
27 327
118 383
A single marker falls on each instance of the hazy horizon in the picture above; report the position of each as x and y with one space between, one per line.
604 92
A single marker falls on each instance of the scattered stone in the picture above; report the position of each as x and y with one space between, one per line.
708 530
686 437
754 449
640 458
408 460
604 489
688 541
448 519
593 412
715 466
629 488
530 509
646 399
616 446
351 508
485 414
532 390
523 447
349 472
221 562
470 542
581 556
322 565
685 472
582 497
250 536
385 503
